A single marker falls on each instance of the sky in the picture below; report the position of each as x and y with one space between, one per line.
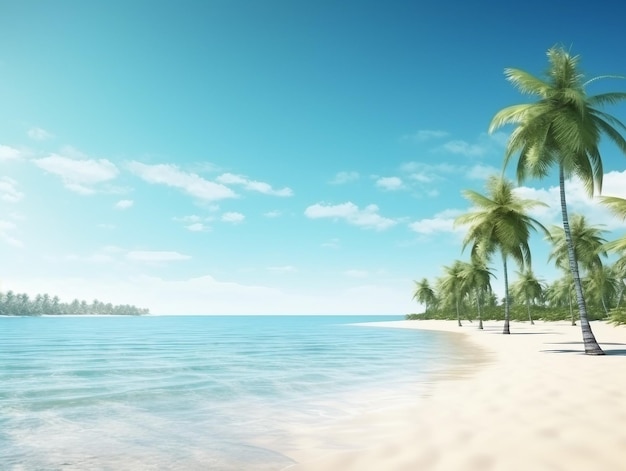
269 156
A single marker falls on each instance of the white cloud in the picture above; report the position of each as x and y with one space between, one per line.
441 222
99 257
356 273
426 135
272 214
195 223
197 227
481 172
485 143
389 183
189 219
7 228
9 191
156 256
252 185
190 183
9 153
464 148
233 217
614 184
367 217
344 177
282 269
78 175
124 204
39 134
423 173
421 177
332 244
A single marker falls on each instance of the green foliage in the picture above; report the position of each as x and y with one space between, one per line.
518 313
617 316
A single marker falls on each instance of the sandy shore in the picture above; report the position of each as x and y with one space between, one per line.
534 402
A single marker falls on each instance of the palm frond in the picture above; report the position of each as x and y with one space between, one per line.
527 83
611 98
616 205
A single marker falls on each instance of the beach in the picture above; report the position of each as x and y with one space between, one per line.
531 400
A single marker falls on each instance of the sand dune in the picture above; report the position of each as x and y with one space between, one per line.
534 402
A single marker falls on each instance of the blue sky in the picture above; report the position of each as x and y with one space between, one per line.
243 157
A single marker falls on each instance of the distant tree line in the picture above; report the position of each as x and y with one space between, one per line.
20 304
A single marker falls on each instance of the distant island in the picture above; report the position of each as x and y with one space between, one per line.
20 304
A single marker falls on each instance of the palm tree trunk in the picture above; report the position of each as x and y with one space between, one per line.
458 313
604 306
480 316
507 308
589 340
530 318
571 309
619 297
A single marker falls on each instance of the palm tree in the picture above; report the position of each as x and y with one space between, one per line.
528 288
588 241
589 249
425 294
476 277
451 286
561 292
618 207
603 287
499 222
562 129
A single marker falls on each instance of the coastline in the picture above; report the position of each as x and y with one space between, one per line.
534 401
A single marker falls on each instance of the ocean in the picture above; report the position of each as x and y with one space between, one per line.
194 392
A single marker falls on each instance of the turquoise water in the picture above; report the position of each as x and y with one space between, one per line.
192 392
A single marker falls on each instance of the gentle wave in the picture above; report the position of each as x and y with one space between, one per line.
187 393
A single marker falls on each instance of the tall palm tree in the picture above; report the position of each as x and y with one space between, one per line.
562 129
476 277
452 286
425 294
499 222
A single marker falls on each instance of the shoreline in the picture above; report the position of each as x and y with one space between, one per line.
534 401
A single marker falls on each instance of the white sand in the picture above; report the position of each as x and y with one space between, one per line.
536 403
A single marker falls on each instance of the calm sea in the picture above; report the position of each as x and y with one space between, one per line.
192 392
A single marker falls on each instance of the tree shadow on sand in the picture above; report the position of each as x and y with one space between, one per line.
605 346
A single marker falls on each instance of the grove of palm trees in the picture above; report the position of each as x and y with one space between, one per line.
560 132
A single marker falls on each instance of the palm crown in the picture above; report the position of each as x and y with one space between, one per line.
564 127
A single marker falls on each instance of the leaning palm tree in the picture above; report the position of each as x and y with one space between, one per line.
529 289
425 294
476 277
452 287
562 129
499 222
